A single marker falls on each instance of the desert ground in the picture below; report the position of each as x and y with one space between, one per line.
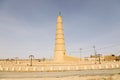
108 77
111 74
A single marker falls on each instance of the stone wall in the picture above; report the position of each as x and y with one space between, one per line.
59 67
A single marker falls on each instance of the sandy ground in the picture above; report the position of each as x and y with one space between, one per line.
109 77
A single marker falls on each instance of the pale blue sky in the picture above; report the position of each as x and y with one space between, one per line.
28 27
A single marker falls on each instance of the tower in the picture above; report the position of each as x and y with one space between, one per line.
60 50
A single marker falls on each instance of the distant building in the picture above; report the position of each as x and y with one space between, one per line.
110 57
118 58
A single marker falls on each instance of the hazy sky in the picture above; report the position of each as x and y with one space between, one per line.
28 27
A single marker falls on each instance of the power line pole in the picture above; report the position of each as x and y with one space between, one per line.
31 59
95 52
99 58
80 53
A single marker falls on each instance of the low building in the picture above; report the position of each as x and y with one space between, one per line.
110 57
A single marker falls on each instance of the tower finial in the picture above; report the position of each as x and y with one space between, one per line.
59 13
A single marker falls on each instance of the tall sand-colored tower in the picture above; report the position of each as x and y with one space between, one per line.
60 50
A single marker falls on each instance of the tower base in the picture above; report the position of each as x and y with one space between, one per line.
68 59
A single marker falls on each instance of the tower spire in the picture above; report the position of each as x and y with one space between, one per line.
60 54
59 13
60 50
